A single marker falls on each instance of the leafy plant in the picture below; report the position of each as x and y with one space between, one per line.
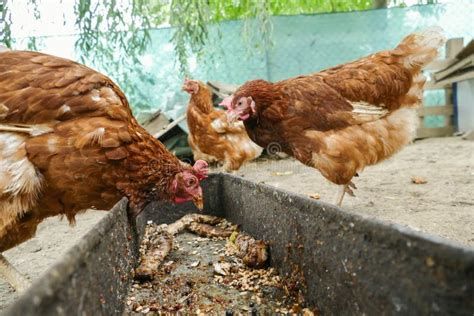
5 22
191 18
112 31
119 30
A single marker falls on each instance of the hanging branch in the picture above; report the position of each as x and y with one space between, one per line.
190 17
112 31
5 23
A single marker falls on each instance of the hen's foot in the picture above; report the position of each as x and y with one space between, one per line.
349 188
345 188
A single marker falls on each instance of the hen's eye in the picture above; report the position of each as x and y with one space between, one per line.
192 182
240 103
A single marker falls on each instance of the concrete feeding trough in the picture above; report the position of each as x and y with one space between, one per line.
351 265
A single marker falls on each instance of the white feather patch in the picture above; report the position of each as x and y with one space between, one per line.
24 179
94 137
362 107
64 109
218 125
33 130
95 95
21 182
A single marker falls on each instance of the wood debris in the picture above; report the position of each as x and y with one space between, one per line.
195 264
184 221
418 180
158 242
153 251
282 173
207 276
222 268
254 253
207 230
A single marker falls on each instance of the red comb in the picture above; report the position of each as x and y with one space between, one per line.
227 102
201 169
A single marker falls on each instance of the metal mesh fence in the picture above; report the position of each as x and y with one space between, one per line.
300 44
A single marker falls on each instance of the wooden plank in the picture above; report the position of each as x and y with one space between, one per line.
156 124
465 63
434 132
440 64
461 77
448 100
222 89
466 51
436 110
421 122
454 46
431 85
170 126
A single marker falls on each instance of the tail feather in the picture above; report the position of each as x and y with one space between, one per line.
422 47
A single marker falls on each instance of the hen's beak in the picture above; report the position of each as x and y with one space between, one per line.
186 88
198 201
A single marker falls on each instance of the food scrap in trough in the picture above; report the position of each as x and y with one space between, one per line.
210 269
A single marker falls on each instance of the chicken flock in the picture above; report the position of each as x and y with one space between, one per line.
69 141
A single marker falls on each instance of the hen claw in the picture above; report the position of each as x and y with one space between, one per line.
349 191
351 185
345 188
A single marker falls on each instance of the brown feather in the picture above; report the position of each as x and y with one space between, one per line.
211 137
94 153
347 117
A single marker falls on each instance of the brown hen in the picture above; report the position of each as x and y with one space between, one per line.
211 137
344 118
69 142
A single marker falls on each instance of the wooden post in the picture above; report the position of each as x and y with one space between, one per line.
454 46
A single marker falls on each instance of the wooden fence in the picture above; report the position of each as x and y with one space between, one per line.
453 46
446 110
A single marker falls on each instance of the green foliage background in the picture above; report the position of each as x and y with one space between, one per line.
119 30
126 23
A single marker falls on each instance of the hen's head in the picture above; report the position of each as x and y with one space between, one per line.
190 86
243 104
239 108
185 186
157 180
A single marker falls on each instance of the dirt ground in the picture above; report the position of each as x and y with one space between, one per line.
444 206
54 237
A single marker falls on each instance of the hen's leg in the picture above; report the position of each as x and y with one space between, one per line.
345 188
340 194
12 276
